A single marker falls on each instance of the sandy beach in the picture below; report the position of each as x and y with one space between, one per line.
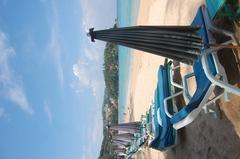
144 67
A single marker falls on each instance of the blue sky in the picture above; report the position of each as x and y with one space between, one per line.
51 81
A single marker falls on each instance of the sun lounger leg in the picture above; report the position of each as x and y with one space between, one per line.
212 112
221 71
207 108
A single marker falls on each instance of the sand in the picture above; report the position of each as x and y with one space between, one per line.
144 67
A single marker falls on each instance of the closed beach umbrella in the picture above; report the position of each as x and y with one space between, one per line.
119 146
124 136
122 140
180 43
121 143
120 150
120 154
132 127
120 157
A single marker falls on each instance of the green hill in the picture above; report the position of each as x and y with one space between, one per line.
110 103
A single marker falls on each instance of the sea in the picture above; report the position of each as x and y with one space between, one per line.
127 12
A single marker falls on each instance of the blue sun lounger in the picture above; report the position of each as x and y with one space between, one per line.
164 134
208 72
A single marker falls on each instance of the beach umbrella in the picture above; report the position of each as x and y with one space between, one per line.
123 143
121 157
122 139
120 150
119 146
124 136
180 43
132 127
120 154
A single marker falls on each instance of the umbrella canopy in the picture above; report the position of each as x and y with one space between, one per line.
180 43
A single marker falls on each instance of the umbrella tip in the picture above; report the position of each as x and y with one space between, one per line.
91 34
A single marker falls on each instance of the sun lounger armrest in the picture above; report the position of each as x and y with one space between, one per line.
170 98
185 85
171 77
216 81
210 26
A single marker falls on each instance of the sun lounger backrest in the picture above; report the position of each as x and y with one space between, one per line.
202 81
156 106
164 85
166 135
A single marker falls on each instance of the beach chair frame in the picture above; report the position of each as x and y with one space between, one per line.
220 79
161 141
217 80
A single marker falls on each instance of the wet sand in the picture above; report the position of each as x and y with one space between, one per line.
206 137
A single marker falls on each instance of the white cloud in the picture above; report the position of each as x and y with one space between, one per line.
97 14
89 67
54 46
48 111
17 96
89 75
56 50
88 17
10 86
93 53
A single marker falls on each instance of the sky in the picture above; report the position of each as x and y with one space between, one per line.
51 80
